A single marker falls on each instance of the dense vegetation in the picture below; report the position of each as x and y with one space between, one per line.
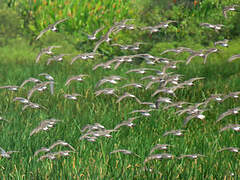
21 22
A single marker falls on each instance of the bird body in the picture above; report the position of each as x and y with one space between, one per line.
51 27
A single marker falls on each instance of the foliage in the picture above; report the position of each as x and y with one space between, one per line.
83 14
92 159
11 25
189 16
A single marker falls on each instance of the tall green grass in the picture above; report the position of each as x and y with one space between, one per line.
92 160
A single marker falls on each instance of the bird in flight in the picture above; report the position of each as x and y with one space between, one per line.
44 125
124 151
51 27
47 50
237 56
229 8
6 154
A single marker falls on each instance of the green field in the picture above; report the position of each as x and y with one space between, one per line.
92 160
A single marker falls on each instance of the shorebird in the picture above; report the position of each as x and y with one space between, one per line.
59 142
123 47
37 88
168 90
231 149
71 96
44 125
198 115
47 76
150 62
223 43
125 95
124 151
54 155
111 79
191 156
93 127
104 65
160 147
142 70
136 85
150 104
144 112
156 28
152 29
213 97
93 135
207 25
43 149
10 88
165 24
227 113
34 80
146 56
105 80
178 50
62 143
229 8
106 37
105 133
160 80
158 156
84 56
216 27
122 25
93 36
57 58
106 91
51 79
237 56
235 127
194 54
190 81
192 109
21 100
163 100
75 78
33 106
133 47
47 156
128 123
51 27
151 77
207 52
47 51
88 138
176 104
178 132
232 94
118 60
6 154
121 59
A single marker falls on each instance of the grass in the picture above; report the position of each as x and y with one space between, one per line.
92 159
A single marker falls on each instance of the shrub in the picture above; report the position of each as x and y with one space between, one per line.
11 25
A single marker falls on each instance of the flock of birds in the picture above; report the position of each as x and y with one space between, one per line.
167 84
